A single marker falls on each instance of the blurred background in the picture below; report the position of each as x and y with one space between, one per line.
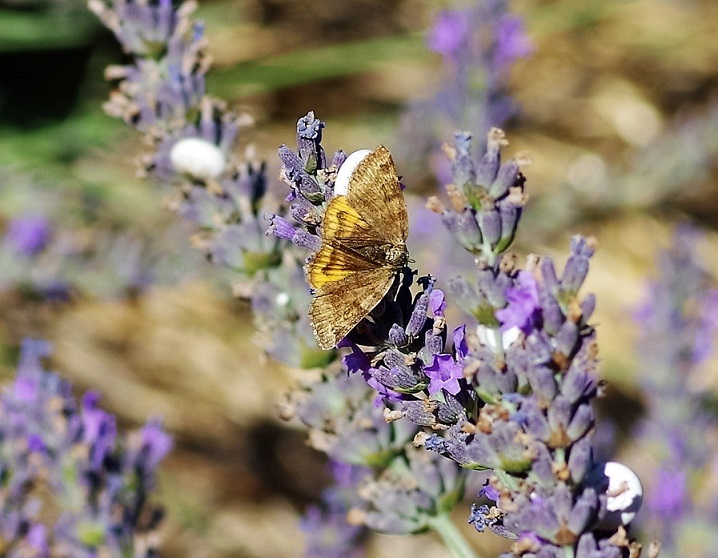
617 107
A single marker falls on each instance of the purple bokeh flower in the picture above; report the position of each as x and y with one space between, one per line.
326 528
99 429
28 235
512 42
478 43
670 497
156 443
677 326
705 331
25 388
37 540
448 33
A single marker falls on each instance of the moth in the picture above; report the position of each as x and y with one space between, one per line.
363 246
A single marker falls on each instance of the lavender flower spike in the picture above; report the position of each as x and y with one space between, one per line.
524 402
95 481
478 43
486 198
677 329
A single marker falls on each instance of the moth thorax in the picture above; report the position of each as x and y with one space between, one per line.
397 255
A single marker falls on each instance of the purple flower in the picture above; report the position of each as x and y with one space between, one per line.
356 361
92 417
156 443
490 492
99 428
449 32
512 42
25 389
328 532
35 443
703 344
344 474
28 235
460 345
523 304
31 351
437 302
384 394
669 498
37 539
444 373
282 228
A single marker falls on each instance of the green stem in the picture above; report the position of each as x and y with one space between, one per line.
506 480
568 551
560 456
452 537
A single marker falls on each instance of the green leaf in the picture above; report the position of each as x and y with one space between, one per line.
309 65
53 147
45 30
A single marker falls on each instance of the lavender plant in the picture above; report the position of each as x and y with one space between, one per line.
478 41
45 260
193 138
48 256
396 489
328 532
677 325
514 394
509 392
72 485
193 135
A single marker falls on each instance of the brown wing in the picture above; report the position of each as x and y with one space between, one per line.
339 306
375 191
332 264
342 221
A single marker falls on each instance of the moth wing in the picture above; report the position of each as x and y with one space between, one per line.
333 264
343 222
339 306
374 188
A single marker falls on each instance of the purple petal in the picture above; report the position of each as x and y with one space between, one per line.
448 33
444 373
